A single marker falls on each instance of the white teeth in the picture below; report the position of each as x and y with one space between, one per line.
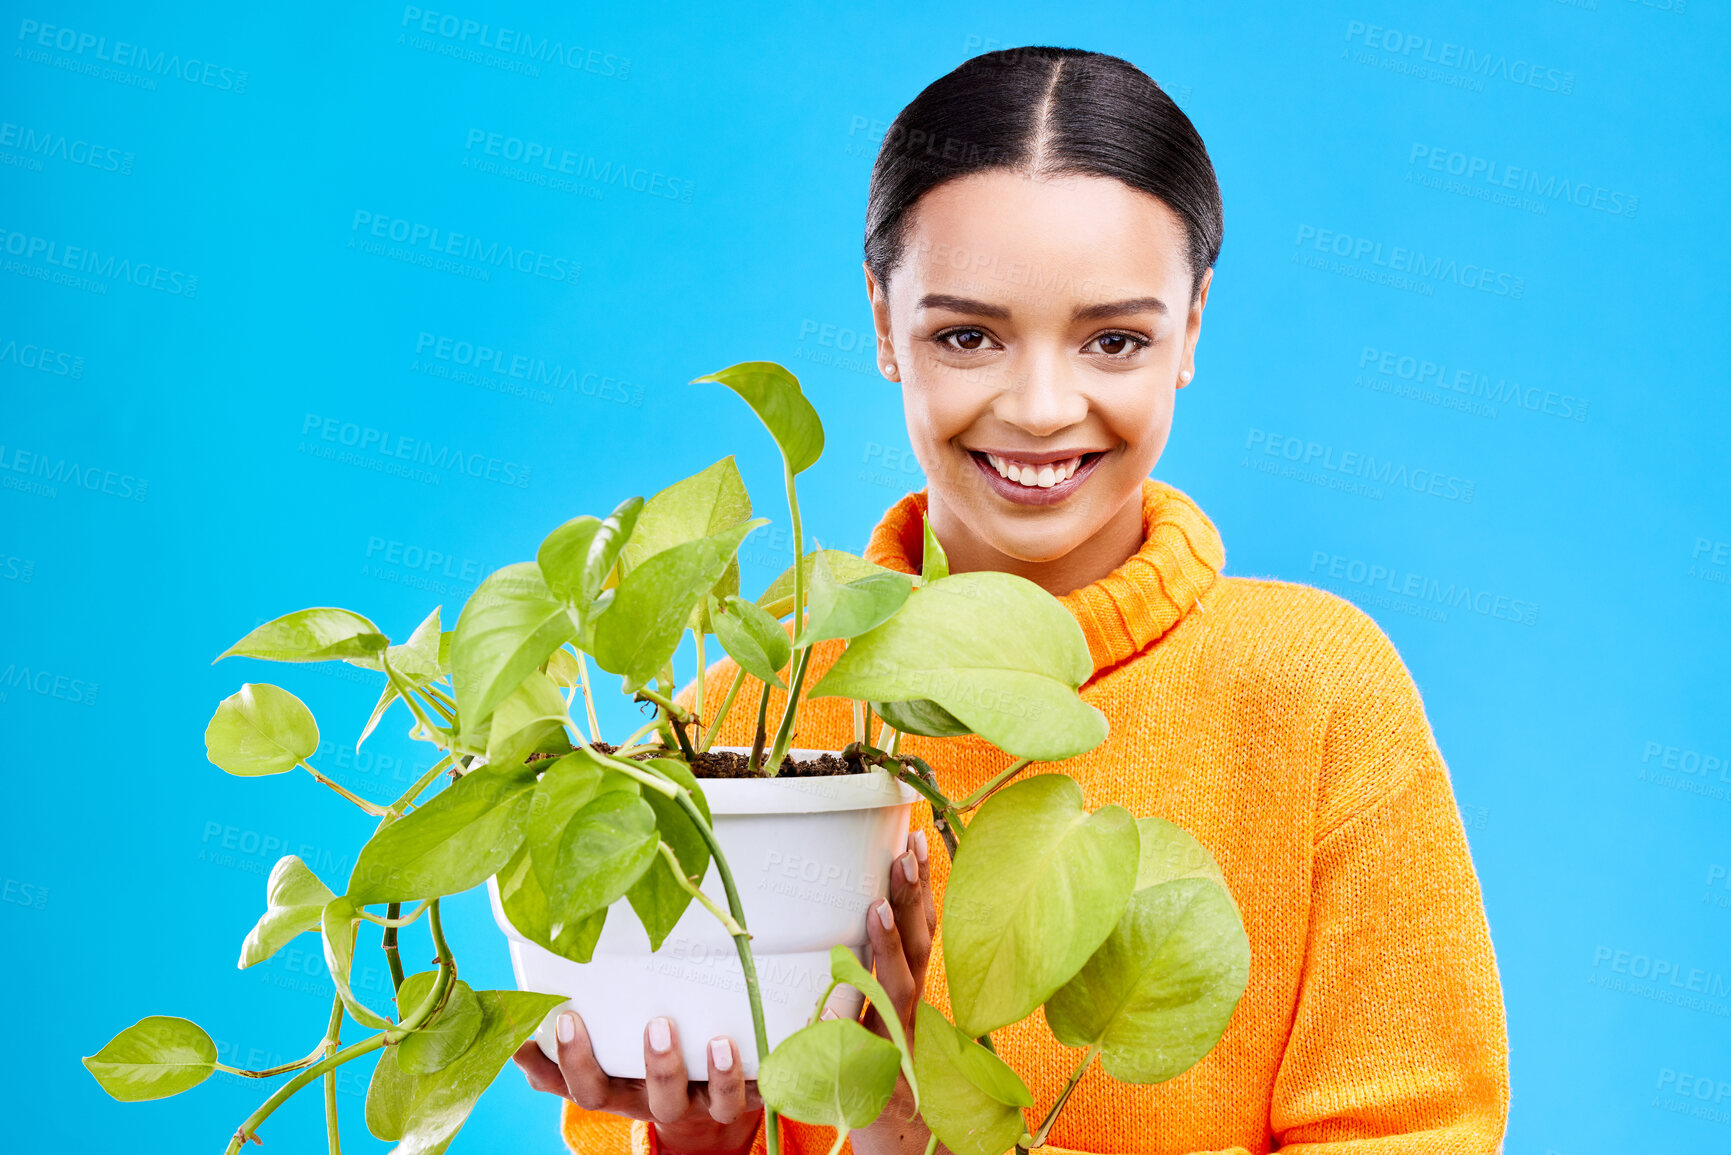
1035 476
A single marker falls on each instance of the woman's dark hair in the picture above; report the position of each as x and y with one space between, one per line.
1048 112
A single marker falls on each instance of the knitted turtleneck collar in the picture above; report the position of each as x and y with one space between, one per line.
1128 609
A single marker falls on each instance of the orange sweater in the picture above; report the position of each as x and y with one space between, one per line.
1277 724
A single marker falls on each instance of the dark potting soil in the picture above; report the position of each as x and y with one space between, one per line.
728 764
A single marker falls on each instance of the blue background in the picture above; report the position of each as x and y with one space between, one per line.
1581 705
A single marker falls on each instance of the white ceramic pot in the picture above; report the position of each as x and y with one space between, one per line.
809 857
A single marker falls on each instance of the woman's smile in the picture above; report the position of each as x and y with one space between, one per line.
1035 478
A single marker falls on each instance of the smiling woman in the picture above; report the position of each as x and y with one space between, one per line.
1041 235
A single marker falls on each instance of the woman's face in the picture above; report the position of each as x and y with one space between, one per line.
1039 328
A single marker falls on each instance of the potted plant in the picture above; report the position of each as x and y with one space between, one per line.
598 856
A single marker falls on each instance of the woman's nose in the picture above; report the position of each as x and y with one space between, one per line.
1041 396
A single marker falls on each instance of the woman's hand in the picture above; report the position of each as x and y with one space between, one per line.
719 1117
900 931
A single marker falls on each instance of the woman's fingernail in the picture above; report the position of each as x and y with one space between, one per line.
828 1013
721 1054
886 916
567 1027
910 868
660 1035
919 842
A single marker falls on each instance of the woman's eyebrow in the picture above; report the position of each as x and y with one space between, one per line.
1109 309
963 305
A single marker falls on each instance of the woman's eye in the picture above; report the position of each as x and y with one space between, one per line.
963 340
1118 344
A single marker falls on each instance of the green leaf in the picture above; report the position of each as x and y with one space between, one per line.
294 901
777 600
1038 884
511 623
752 638
995 650
525 903
846 610
563 669
566 786
260 729
844 968
921 716
934 563
456 840
606 847
637 634
320 634
437 1045
973 1099
774 395
155 1057
337 922
657 897
616 531
423 1113
834 1073
1159 992
525 718
563 556
701 505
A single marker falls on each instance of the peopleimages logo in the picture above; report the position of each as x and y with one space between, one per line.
430 240
461 32
1352 467
1459 58
91 263
1468 383
1402 260
1496 177
91 47
28 472
522 374
35 144
1393 580
43 359
557 161
386 452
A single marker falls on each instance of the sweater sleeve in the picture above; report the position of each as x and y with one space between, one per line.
1398 1041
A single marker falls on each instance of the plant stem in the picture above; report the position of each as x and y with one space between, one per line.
998 780
668 706
697 635
332 1044
588 695
639 732
762 718
940 807
784 734
405 691
393 921
284 1092
695 891
859 721
448 714
400 806
432 691
372 808
272 1072
742 942
392 957
435 1000
643 775
714 728
1064 1097
931 1144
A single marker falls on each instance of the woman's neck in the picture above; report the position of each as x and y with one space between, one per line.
1110 547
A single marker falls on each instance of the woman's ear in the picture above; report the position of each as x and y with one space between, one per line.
1193 331
886 350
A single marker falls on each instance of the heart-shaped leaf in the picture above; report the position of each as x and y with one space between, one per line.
155 1057
921 716
657 897
774 395
777 600
637 634
525 718
1038 884
605 848
260 729
1169 851
973 1099
337 922
752 638
437 1045
995 650
848 609
563 669
320 634
525 903
509 626
423 1113
562 557
834 1073
1157 995
701 505
455 841
567 784
294 901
